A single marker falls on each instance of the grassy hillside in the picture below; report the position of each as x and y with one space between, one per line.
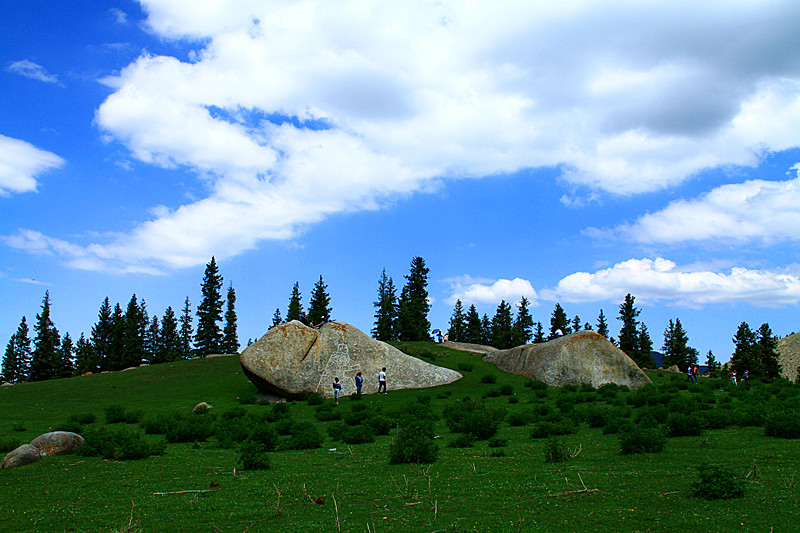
500 483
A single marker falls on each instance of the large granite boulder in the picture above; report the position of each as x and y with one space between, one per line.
582 357
21 456
57 442
292 359
469 347
789 355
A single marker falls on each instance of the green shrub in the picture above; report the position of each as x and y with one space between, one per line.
18 426
304 437
285 427
119 444
380 424
513 399
358 435
253 456
651 415
190 428
506 390
465 367
517 419
488 378
315 399
236 412
785 425
83 418
6 445
554 451
265 436
639 439
337 429
683 425
718 418
547 429
157 425
115 414
717 483
463 440
229 431
617 425
473 418
327 412
414 443
749 416
536 385
496 442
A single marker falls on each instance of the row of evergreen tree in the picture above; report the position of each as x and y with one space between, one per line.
122 339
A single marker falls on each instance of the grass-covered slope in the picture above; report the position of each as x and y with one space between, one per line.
512 455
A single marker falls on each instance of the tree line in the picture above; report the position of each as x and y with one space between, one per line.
121 339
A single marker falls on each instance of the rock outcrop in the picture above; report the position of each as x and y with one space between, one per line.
789 355
292 359
582 357
57 442
469 347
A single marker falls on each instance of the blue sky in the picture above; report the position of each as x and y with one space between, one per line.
571 152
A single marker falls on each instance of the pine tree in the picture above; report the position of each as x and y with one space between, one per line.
230 340
602 325
458 324
766 352
558 321
295 304
276 318
474 328
101 338
208 338
186 332
117 343
712 365
44 360
538 332
645 347
523 324
676 346
501 329
133 333
66 357
629 332
412 323
17 358
386 308
85 358
319 308
576 323
486 330
152 350
170 341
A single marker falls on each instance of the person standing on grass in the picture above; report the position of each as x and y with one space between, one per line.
359 383
336 388
382 380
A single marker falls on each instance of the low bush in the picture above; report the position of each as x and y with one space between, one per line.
488 378
640 439
617 425
473 418
414 443
327 412
749 416
303 437
253 456
496 442
119 444
6 445
506 390
548 429
380 424
358 435
465 367
517 419
785 425
230 431
191 428
116 414
315 399
683 425
717 483
555 451
265 436
463 440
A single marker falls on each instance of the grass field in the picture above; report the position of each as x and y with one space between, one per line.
506 480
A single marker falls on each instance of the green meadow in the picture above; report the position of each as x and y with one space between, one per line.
501 453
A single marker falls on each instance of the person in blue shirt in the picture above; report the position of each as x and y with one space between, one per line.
337 387
359 383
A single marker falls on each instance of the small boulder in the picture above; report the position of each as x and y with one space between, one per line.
6 384
57 442
469 347
674 368
202 406
21 456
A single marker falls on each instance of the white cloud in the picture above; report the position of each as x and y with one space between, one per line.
767 211
481 291
20 163
382 99
29 69
660 279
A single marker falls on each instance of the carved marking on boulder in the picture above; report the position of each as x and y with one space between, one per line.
339 365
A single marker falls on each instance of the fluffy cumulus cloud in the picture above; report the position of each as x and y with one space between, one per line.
481 291
662 280
20 163
293 111
767 211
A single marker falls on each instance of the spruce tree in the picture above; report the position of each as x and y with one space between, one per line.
486 330
117 346
152 350
133 334
538 332
208 338
712 364
744 354
319 308
186 331
17 358
101 338
458 324
276 318
412 322
295 304
501 329
523 324
558 321
474 328
629 332
230 339
66 359
645 347
385 326
576 323
44 360
676 346
767 353
602 325
170 341
85 357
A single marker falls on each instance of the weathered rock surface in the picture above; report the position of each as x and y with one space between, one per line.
57 442
469 347
293 359
582 357
21 456
789 355
202 405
